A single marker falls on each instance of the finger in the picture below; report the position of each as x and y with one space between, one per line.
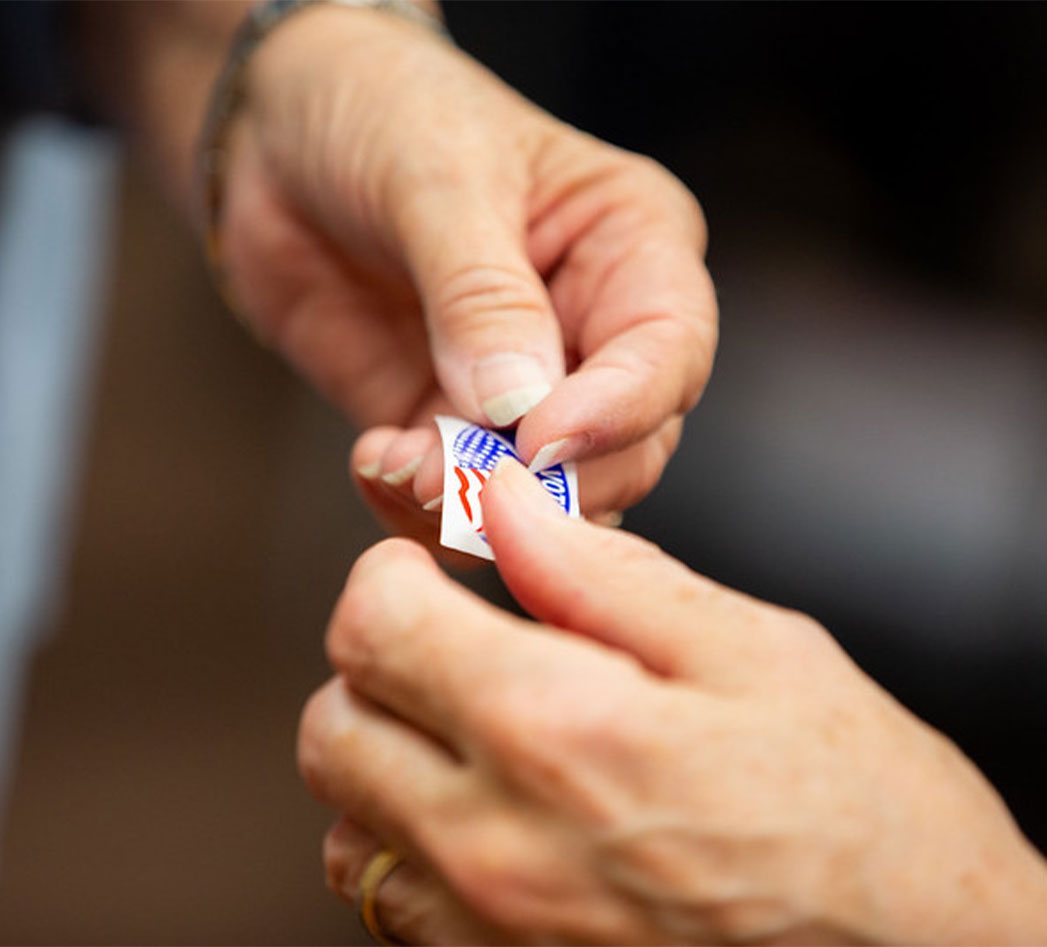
348 847
447 662
404 456
429 481
495 340
413 460
365 461
397 508
653 368
383 773
620 480
411 640
606 484
410 903
617 588
637 305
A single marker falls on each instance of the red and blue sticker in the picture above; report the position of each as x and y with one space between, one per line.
470 454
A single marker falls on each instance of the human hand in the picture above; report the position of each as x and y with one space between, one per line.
416 237
662 760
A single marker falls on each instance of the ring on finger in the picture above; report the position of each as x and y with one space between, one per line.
380 866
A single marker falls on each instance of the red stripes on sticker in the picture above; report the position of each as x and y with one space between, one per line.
463 491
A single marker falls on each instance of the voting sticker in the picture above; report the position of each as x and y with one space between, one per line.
470 454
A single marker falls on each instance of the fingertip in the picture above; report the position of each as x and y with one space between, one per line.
561 427
513 503
365 458
404 455
428 481
510 479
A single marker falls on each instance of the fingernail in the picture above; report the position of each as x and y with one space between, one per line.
611 520
556 452
509 385
402 474
436 503
369 471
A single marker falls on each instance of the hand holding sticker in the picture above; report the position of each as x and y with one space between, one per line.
470 454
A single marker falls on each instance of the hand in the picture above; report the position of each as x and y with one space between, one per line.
662 761
415 237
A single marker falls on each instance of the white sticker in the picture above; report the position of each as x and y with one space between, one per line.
470 454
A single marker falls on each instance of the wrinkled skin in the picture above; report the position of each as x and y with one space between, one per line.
657 760
403 227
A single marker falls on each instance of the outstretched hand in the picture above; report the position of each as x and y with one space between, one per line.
417 238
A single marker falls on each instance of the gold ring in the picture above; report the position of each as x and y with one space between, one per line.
378 869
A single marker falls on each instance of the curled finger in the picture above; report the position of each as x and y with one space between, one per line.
618 481
410 904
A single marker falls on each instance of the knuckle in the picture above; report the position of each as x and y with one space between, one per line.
373 603
806 626
483 296
692 215
666 440
518 721
491 867
529 735
645 170
654 177
629 552
690 336
346 852
672 368
649 469
386 553
314 739
557 741
595 723
346 637
794 639
336 863
795 627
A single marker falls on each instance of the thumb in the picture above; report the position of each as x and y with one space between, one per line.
614 587
495 340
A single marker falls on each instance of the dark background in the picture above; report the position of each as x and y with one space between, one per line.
871 449
902 148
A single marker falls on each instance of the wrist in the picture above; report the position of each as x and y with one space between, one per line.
993 894
1020 905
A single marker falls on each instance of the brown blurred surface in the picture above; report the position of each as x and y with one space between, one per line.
156 798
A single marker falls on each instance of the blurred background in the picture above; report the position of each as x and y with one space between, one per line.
872 448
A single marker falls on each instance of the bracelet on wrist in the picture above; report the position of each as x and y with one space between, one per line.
229 94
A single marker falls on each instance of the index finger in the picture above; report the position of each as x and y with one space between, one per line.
411 640
638 306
